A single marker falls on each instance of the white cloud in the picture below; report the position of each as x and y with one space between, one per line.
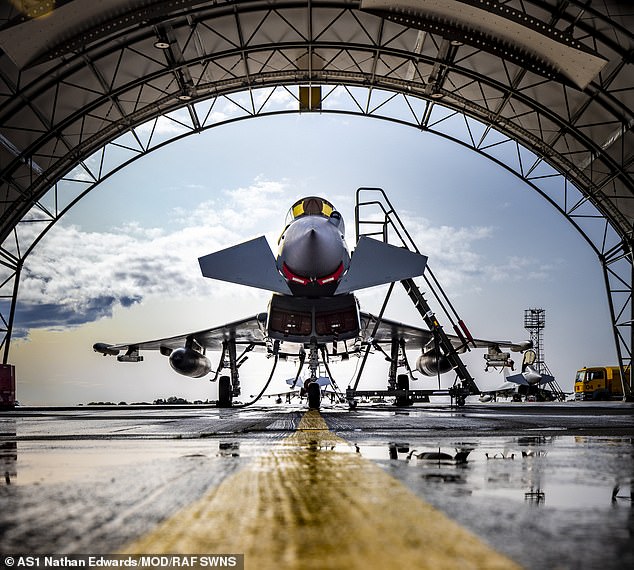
517 268
463 258
76 276
242 210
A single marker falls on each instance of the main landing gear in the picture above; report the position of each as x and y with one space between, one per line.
458 394
225 392
229 386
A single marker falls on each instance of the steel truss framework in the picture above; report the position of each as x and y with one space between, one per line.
87 102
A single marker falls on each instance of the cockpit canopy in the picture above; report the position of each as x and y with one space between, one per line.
314 206
310 206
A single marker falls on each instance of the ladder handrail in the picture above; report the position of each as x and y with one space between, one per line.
391 219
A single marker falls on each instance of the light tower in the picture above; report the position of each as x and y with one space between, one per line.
534 323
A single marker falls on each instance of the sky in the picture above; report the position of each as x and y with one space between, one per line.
122 266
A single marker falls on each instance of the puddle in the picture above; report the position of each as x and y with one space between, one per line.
43 463
562 472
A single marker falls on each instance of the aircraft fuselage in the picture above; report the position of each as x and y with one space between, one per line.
312 258
304 319
313 255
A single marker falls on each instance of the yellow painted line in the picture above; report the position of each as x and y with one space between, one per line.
310 504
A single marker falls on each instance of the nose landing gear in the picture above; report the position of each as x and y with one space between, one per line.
313 388
314 396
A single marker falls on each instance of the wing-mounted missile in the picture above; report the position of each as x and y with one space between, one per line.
131 354
495 358
376 263
105 349
250 263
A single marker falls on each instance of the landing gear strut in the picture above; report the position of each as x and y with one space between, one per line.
402 383
229 386
459 394
313 389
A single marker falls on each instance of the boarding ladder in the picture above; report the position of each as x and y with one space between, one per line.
373 227
557 392
555 389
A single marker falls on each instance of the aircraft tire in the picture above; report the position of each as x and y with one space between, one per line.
225 395
314 396
402 383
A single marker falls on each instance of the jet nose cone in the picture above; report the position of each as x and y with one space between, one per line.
532 376
312 247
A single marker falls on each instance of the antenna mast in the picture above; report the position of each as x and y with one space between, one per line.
534 323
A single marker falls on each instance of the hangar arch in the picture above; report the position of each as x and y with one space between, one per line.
551 78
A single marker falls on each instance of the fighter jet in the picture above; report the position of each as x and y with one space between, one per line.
530 377
531 382
313 315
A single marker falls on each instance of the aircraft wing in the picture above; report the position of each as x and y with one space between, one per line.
416 337
246 331
530 378
506 387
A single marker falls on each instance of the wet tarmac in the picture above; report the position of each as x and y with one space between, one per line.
546 485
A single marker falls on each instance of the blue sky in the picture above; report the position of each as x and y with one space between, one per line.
122 265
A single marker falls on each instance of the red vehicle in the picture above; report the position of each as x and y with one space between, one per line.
7 386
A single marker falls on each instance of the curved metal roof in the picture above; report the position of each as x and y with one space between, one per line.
555 75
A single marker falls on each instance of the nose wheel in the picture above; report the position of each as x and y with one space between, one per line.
314 396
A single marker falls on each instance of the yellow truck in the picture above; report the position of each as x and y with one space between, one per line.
600 383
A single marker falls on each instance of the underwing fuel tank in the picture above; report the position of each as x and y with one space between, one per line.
431 364
105 349
188 362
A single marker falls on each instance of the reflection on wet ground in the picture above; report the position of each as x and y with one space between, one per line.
311 502
504 466
547 501
550 489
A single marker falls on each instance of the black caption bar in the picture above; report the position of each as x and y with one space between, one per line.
101 561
